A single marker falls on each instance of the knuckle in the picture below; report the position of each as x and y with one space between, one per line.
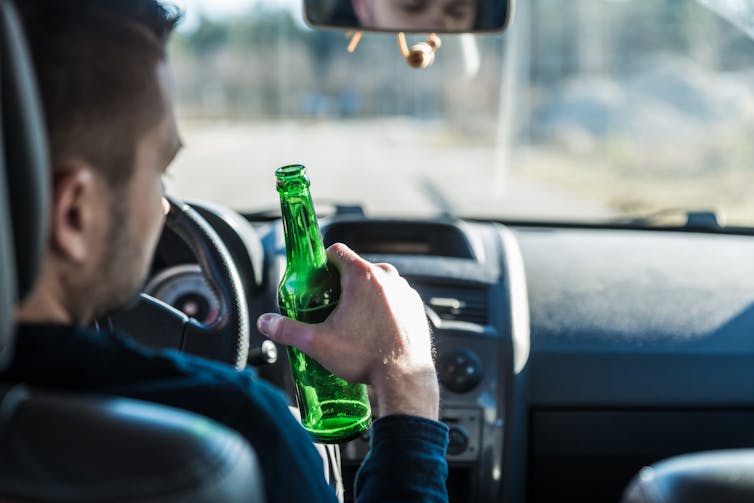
363 268
414 296
406 286
388 268
340 250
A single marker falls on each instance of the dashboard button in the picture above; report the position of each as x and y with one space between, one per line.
460 370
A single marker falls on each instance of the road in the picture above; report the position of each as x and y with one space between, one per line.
391 167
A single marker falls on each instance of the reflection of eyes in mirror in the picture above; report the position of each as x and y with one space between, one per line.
417 15
412 16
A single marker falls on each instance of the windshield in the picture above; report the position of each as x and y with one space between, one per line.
585 110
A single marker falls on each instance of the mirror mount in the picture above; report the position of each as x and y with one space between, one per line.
420 55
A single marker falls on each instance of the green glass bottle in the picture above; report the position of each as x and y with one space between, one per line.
332 409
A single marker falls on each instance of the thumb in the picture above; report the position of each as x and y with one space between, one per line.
287 331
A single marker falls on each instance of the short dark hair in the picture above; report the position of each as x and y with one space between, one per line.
95 62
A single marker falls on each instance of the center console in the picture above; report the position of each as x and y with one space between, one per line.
471 279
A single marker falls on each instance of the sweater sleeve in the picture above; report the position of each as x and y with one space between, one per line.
406 462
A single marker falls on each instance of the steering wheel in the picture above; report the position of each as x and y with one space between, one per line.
155 324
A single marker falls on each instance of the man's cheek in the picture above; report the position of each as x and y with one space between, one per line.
155 230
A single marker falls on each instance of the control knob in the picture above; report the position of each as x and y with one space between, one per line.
458 440
460 370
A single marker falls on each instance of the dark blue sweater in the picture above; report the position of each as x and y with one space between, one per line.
406 461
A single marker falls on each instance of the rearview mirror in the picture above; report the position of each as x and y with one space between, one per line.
412 16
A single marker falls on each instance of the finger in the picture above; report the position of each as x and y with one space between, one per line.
405 284
287 331
388 268
342 257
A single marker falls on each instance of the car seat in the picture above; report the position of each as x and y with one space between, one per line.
725 476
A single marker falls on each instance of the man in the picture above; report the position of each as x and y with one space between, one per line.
106 92
417 15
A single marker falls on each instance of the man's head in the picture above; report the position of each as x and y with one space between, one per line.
106 95
417 15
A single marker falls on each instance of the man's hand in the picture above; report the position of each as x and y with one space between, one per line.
378 335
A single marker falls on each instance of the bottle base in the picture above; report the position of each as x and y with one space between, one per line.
335 426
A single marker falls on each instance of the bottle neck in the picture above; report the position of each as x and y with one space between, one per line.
303 243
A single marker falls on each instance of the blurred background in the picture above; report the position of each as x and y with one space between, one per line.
584 110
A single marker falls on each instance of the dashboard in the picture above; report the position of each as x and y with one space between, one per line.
568 357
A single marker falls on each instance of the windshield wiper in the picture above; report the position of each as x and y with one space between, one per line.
689 219
435 194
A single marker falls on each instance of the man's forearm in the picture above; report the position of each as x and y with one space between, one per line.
413 393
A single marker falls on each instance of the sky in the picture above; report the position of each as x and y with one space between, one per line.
225 8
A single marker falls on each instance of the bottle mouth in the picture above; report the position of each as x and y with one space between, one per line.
290 172
291 176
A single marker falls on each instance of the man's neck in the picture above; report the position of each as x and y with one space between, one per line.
45 304
40 308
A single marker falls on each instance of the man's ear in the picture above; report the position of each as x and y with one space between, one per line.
74 213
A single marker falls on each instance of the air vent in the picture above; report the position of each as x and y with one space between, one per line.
452 303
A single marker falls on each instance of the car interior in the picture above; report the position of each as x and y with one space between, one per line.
577 361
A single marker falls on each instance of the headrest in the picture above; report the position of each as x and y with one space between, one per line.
7 271
26 153
720 476
24 202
